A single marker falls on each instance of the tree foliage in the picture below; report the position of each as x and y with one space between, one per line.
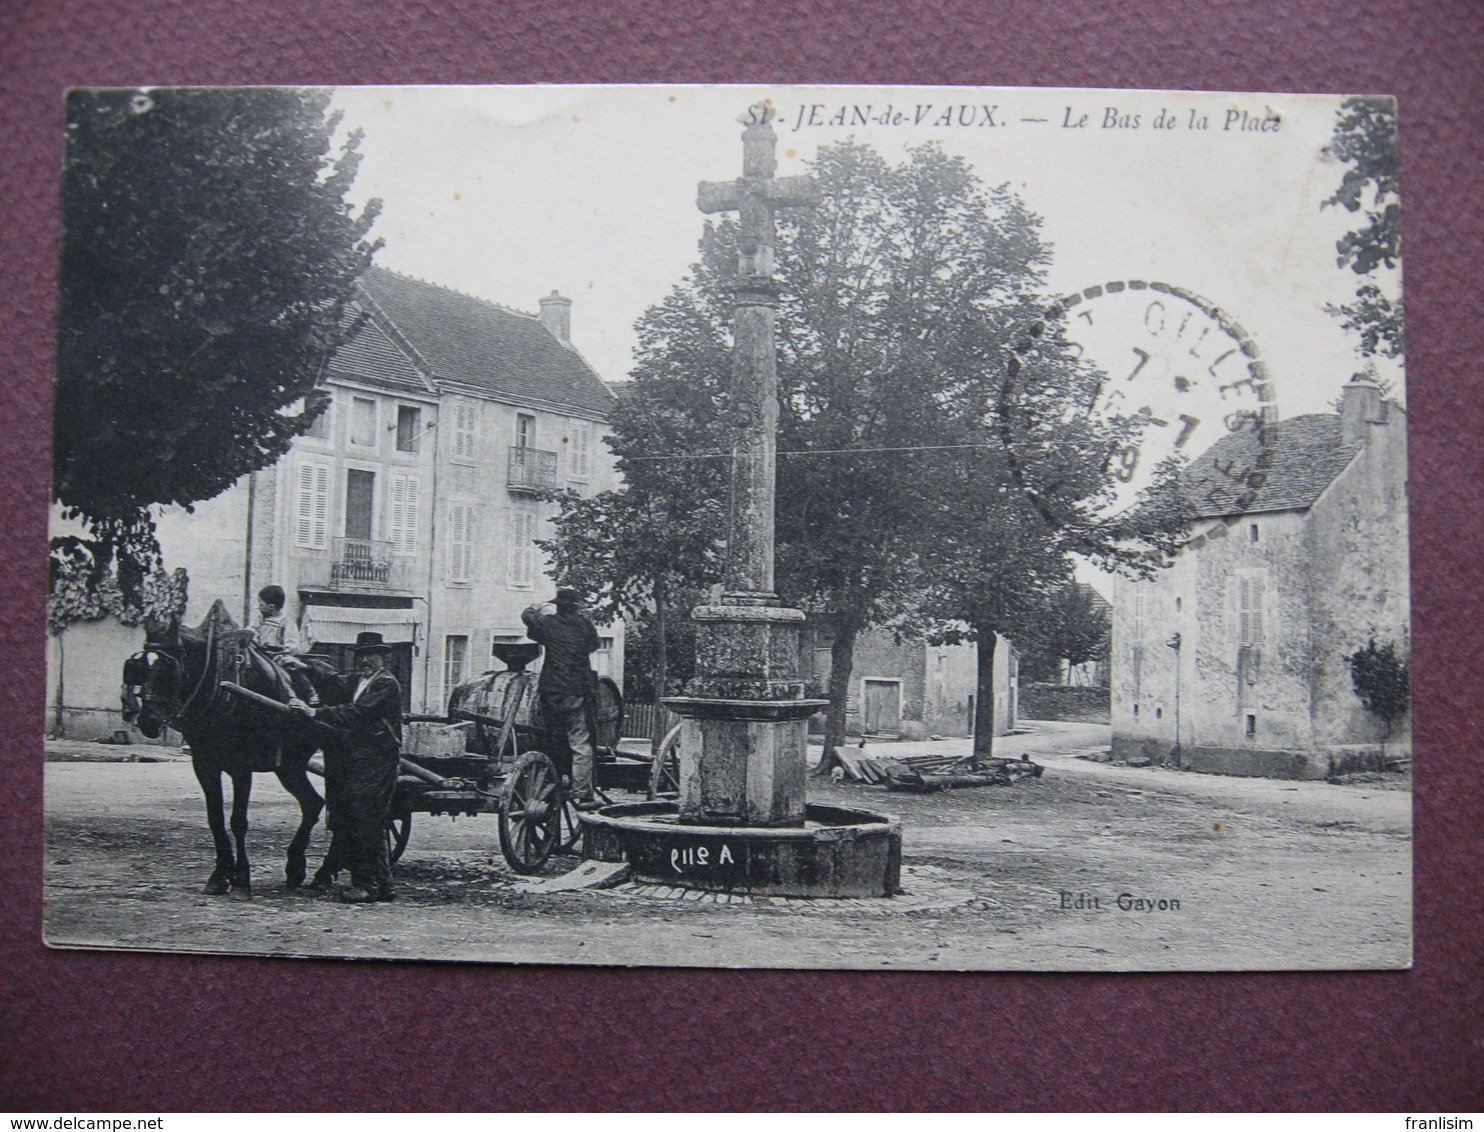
641 552
208 257
1074 628
80 591
1364 141
916 427
1383 680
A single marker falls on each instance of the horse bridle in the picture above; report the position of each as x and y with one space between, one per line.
139 664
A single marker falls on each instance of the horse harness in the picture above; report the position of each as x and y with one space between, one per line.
229 656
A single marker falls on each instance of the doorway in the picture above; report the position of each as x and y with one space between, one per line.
883 706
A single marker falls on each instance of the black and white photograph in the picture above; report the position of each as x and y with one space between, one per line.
934 528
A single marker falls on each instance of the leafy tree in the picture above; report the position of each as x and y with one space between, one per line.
1074 629
903 293
1025 508
208 256
637 558
642 551
1365 142
1383 681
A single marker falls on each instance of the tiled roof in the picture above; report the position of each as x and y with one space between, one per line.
477 343
372 357
1299 459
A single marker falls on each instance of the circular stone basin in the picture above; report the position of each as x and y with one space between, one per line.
837 852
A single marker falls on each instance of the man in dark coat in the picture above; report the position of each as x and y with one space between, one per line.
567 683
361 772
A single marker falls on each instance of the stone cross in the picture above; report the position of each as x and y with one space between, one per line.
755 196
744 718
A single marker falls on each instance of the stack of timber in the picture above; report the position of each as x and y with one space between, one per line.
924 774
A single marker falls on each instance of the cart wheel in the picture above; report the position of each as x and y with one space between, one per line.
531 812
398 830
664 772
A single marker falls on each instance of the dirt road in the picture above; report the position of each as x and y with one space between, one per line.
1092 867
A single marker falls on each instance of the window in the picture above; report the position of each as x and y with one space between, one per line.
465 429
460 542
1251 594
363 422
1252 533
312 506
605 644
525 430
409 427
1251 728
580 457
320 429
405 491
360 492
522 549
455 661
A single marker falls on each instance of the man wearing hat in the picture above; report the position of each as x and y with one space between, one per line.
567 682
361 773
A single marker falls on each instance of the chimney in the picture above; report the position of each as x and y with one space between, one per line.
556 314
1360 407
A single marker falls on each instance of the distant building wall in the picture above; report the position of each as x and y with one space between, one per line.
1234 659
1358 531
938 683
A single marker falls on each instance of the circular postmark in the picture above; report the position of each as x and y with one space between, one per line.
1193 373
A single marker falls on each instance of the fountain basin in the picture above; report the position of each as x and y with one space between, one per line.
838 852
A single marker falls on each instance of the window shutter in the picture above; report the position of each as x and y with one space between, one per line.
1259 600
455 541
1251 597
404 513
581 449
312 506
463 429
304 507
481 660
522 549
460 542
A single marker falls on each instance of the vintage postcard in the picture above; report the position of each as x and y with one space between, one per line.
878 528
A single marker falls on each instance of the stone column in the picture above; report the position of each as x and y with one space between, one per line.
743 753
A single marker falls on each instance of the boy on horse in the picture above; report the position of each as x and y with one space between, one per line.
279 639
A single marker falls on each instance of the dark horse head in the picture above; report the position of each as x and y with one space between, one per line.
176 681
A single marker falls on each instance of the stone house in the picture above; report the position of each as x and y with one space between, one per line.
908 689
412 508
1233 660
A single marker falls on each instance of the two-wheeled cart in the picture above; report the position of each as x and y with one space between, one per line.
512 767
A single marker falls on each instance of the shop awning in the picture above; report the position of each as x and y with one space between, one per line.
339 624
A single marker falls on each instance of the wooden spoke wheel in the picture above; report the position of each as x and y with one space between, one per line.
664 772
398 830
531 805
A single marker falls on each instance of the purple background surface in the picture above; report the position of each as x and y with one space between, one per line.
97 1031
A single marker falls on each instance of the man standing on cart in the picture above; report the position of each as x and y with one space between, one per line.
361 773
566 686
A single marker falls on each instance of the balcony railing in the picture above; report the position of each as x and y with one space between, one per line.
360 563
531 469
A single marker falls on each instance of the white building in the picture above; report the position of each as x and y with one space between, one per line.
412 508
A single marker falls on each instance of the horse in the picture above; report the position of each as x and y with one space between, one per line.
175 681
